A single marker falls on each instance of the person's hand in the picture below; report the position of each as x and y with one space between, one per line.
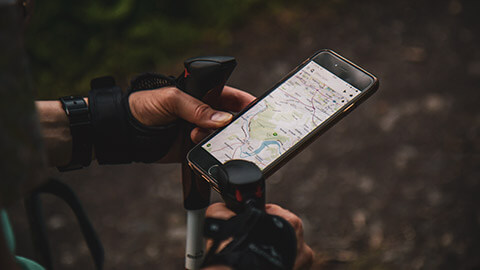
305 254
165 105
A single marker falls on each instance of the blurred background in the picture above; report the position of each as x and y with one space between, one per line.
395 185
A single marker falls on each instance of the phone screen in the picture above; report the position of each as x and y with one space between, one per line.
282 118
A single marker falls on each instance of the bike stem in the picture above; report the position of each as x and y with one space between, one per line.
204 79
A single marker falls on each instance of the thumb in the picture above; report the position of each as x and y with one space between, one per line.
199 113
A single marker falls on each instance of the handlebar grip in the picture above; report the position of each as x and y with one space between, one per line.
203 78
205 75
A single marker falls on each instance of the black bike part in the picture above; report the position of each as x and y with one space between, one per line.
203 77
241 185
196 191
260 241
204 74
34 209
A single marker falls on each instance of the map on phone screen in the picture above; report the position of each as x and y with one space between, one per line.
282 118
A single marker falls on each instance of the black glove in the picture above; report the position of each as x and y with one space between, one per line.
117 136
260 241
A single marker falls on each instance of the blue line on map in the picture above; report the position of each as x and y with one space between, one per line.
259 149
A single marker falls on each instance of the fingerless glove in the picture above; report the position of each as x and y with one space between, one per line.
117 136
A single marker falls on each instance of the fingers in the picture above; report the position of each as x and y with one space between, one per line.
193 110
304 259
234 100
199 134
220 211
163 106
305 254
295 221
231 99
202 115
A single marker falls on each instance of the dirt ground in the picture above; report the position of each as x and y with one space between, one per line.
395 185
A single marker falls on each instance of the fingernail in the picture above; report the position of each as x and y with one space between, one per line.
221 117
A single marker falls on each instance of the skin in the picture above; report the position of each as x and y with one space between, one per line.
160 107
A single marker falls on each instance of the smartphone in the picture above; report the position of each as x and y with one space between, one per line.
288 117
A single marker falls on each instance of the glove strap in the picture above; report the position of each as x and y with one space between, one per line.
110 128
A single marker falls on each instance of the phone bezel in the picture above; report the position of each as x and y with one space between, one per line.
200 160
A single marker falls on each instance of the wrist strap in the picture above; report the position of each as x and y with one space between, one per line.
111 140
81 129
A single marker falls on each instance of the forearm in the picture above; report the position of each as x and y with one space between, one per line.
55 131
